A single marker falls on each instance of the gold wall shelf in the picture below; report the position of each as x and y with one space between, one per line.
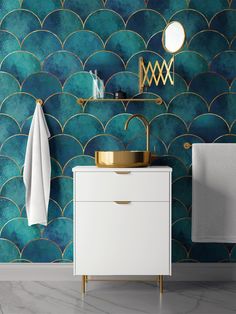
82 101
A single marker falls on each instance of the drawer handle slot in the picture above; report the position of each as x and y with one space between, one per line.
122 202
122 172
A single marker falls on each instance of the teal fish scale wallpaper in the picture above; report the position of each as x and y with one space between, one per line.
47 48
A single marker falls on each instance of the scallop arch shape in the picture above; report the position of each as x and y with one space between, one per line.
104 23
209 8
14 189
20 22
62 190
41 251
62 106
41 43
83 127
79 84
125 8
104 111
8 251
83 7
225 23
63 147
68 252
192 21
107 62
18 231
62 64
62 23
225 64
41 85
227 138
19 105
209 43
41 7
132 64
182 190
224 106
8 44
209 85
9 85
155 44
233 44
176 147
155 22
103 142
179 252
15 147
9 127
168 92
56 169
209 126
188 64
181 231
179 210
167 127
167 7
21 64
125 43
8 169
81 160
178 167
188 106
60 231
157 146
68 210
116 125
8 6
125 81
89 41
52 123
147 109
8 211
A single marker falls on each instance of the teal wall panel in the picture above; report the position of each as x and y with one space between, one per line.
47 48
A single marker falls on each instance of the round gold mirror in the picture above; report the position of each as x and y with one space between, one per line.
173 37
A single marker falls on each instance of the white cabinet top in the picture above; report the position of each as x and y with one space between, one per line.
141 169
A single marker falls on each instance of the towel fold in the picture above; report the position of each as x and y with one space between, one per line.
214 193
37 169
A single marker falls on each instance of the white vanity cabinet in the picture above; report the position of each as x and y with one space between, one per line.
122 221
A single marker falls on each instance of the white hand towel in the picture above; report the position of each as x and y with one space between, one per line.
214 193
37 169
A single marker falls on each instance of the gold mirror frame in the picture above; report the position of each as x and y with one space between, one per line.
163 37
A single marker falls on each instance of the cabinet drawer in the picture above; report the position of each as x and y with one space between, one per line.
113 186
130 239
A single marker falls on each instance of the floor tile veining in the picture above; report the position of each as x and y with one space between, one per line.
117 298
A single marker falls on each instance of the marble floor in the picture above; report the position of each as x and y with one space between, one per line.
117 298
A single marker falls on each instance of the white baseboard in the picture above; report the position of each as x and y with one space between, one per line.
64 272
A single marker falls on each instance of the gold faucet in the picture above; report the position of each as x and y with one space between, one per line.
146 123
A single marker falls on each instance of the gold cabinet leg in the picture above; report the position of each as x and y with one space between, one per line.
158 280
83 283
161 283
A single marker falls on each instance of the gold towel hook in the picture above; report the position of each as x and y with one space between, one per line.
187 145
39 101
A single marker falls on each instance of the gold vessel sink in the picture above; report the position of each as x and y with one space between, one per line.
122 159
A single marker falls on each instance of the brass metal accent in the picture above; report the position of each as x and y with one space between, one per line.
122 159
122 172
187 145
82 101
83 287
161 284
163 37
146 123
122 202
147 74
39 101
